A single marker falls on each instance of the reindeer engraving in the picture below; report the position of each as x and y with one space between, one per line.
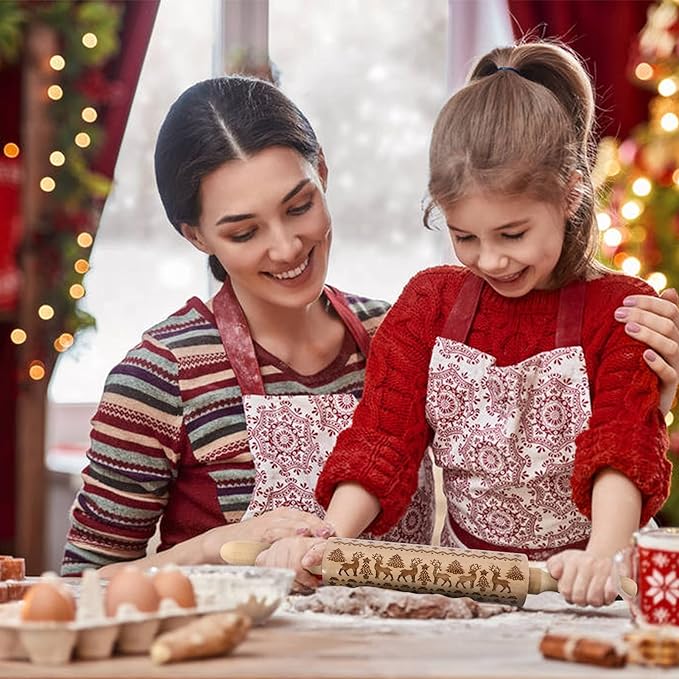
438 574
379 568
351 565
504 584
409 572
471 578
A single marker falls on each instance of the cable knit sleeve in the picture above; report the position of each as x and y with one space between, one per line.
626 430
383 448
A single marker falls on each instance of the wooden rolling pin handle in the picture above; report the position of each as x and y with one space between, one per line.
244 553
539 580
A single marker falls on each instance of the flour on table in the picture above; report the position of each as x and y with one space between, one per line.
385 603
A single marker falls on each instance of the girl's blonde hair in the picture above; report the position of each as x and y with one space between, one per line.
523 126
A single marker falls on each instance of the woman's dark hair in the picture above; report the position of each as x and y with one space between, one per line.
218 120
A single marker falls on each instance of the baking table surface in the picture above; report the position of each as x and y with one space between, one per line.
305 645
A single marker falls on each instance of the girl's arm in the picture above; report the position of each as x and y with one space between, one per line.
364 508
585 577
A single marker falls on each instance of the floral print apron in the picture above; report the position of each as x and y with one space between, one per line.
291 436
505 436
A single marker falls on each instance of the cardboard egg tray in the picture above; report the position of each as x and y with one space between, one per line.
92 637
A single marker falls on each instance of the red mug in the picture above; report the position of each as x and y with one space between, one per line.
652 561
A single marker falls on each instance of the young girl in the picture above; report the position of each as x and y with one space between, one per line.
536 404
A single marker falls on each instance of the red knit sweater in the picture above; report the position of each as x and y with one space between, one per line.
383 448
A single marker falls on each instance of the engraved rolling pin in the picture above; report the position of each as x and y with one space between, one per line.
502 577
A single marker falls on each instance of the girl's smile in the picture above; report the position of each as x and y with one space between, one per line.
513 243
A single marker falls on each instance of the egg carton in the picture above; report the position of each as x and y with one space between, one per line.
255 592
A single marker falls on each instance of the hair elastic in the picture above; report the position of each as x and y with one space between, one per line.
508 68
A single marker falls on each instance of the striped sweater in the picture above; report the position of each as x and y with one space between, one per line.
169 441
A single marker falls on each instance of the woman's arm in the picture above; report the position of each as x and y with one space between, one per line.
268 527
655 322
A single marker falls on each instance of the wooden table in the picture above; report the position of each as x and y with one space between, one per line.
310 645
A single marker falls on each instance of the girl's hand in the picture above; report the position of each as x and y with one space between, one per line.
584 579
290 553
655 322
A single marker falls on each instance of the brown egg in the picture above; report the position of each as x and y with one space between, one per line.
131 586
46 601
171 584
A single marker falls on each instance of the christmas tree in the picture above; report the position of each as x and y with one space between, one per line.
639 183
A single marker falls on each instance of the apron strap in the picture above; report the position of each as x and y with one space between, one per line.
350 319
460 318
569 320
237 341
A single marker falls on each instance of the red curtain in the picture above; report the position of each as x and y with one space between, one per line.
123 72
600 31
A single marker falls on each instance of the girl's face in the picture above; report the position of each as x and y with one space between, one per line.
266 220
513 243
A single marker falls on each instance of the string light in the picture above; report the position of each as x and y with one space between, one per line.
57 62
90 40
613 238
47 184
669 418
36 370
603 221
641 186
10 150
631 209
66 339
84 239
675 177
63 342
612 168
643 71
18 336
619 258
82 139
88 114
669 122
54 92
667 87
76 291
57 158
46 312
81 266
657 280
631 266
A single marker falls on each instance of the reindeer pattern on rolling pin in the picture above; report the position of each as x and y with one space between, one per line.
497 576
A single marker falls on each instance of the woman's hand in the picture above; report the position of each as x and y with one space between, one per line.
271 526
291 553
584 578
655 322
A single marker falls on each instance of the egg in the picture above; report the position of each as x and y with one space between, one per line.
133 587
46 601
171 584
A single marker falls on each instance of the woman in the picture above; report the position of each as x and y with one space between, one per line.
218 422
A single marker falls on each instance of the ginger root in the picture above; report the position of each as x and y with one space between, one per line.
209 636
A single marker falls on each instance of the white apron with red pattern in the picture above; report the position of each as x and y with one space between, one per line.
505 436
292 436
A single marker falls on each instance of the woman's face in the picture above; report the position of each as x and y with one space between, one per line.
266 220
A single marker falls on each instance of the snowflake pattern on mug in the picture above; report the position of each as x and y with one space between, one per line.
507 448
659 585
